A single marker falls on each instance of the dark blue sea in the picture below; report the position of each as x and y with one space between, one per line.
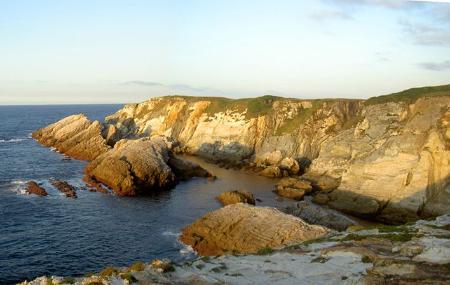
55 235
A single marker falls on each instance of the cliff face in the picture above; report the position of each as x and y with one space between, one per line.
391 154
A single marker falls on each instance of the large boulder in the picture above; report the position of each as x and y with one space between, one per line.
234 197
241 228
75 136
134 167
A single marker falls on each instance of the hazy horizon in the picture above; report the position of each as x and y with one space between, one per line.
116 52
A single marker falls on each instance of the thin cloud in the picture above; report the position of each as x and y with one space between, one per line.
330 15
175 87
435 66
426 34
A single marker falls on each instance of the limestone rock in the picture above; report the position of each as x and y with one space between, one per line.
34 188
75 136
134 167
238 196
246 229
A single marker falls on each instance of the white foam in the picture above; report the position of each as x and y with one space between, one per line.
170 234
19 187
187 249
11 140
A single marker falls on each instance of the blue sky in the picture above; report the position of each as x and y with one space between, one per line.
127 51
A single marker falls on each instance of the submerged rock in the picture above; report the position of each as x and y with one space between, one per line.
134 167
242 228
34 188
76 136
65 188
234 197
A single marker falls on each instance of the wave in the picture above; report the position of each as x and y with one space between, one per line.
169 233
11 140
19 186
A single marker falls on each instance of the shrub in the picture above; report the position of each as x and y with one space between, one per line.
265 251
137 266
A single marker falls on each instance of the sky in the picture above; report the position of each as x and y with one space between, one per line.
110 51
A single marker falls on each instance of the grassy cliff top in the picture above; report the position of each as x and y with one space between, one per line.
411 95
263 105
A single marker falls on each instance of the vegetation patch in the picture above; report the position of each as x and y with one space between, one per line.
366 259
303 114
265 251
411 95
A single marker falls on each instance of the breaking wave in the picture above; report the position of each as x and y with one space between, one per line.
11 140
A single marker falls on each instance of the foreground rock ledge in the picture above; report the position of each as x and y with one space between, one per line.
241 228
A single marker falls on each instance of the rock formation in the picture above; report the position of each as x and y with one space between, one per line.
388 153
75 136
293 188
134 167
34 188
234 197
65 188
242 228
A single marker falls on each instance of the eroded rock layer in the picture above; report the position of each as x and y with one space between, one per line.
243 228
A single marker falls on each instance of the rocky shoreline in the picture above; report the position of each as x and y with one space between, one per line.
418 253
382 159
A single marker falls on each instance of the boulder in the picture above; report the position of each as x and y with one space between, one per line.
271 171
321 198
134 167
241 228
320 216
290 165
76 136
238 196
34 188
185 170
293 188
65 188
321 182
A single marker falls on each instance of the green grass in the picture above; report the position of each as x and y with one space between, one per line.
303 114
265 251
411 95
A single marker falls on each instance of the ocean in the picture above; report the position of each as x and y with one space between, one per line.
55 235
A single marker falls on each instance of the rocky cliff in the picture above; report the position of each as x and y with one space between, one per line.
389 154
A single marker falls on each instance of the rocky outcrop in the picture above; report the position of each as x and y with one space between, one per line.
134 167
317 215
237 196
65 188
75 136
34 188
242 228
395 162
293 188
